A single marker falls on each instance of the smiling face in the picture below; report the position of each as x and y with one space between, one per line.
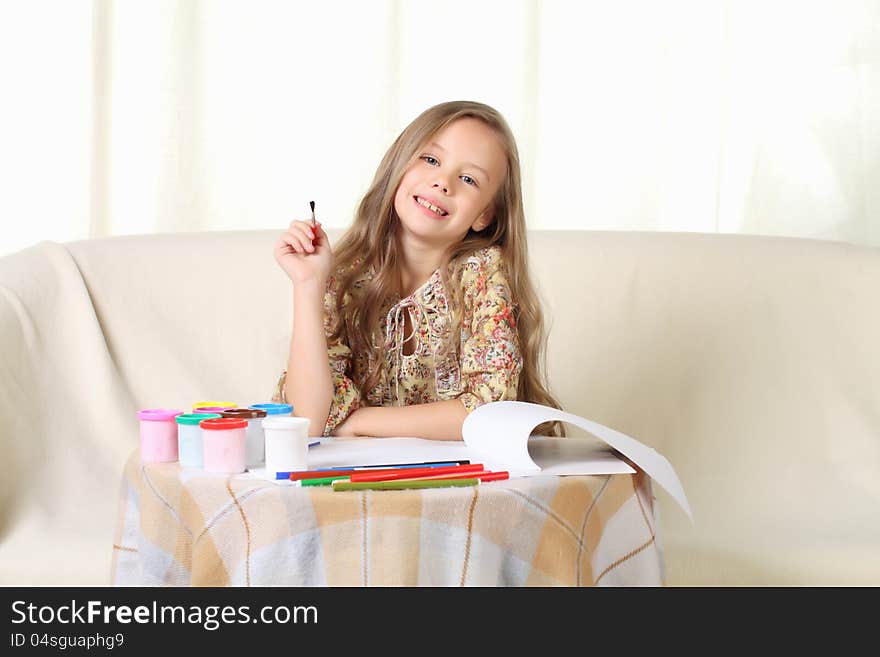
450 187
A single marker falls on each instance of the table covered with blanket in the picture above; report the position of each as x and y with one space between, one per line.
179 527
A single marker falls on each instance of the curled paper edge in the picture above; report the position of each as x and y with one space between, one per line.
500 431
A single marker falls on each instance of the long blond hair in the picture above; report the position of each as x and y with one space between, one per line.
371 244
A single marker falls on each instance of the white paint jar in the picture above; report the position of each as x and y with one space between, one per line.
189 439
287 444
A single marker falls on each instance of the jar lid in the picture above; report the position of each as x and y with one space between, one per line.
158 414
215 404
212 409
246 413
223 423
286 423
274 409
195 418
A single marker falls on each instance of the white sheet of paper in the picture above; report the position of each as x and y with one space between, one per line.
500 431
555 456
573 456
382 451
498 435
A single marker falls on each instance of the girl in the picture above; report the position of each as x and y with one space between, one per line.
425 310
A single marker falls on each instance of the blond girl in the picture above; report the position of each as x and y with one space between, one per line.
424 310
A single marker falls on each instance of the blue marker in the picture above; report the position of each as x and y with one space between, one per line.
429 464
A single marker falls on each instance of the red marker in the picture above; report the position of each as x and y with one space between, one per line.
320 474
482 476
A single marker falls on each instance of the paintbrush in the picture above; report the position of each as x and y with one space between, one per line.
314 224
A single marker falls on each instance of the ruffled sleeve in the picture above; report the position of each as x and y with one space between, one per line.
491 361
346 396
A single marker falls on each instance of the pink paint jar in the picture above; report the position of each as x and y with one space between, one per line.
224 441
158 434
254 448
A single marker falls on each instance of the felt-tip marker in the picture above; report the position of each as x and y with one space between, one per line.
320 481
296 475
482 475
425 464
302 475
412 473
402 485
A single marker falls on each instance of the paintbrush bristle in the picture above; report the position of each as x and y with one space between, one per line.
312 205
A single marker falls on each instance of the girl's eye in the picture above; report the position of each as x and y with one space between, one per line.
434 162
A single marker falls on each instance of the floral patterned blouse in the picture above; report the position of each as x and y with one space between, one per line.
490 361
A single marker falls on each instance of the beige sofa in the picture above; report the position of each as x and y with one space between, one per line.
752 364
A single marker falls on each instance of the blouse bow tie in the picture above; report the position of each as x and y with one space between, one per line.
432 302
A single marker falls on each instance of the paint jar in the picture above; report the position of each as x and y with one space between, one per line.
211 409
287 444
213 404
158 434
223 444
254 446
189 438
274 410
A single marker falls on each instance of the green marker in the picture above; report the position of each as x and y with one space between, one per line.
322 481
403 484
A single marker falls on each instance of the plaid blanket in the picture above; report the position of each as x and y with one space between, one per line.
178 527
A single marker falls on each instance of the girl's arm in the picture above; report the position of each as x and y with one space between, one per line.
303 252
441 420
309 386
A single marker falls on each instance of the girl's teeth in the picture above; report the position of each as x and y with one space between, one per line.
433 208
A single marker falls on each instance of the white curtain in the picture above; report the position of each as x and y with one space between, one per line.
140 116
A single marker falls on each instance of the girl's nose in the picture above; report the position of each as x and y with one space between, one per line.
442 186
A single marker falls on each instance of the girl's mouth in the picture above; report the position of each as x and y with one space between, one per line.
428 208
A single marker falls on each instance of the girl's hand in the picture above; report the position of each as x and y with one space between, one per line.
348 428
301 258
